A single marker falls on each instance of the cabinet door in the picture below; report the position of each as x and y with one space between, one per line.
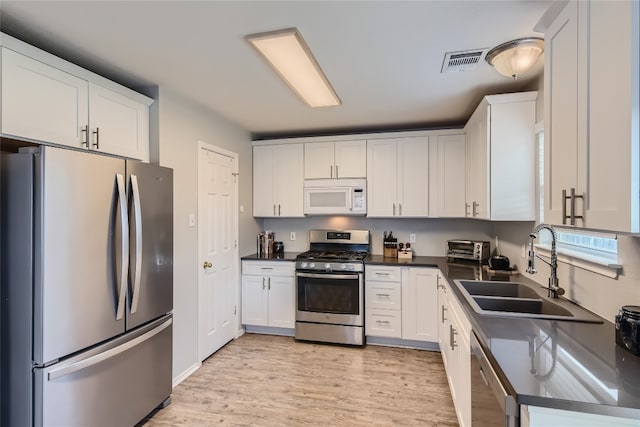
451 178
281 302
254 300
264 203
476 160
289 180
319 160
564 91
442 315
382 178
42 103
413 177
420 304
612 189
351 159
118 125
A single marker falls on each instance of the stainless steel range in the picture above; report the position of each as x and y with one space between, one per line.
330 287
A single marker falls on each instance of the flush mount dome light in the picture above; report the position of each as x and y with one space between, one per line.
290 57
516 57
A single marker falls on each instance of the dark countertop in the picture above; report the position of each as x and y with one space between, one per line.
287 256
575 366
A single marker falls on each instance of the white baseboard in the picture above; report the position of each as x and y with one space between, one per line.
186 373
240 333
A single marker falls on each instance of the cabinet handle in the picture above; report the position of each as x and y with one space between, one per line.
573 206
475 205
452 337
85 130
399 209
466 209
564 206
442 315
380 273
337 171
279 214
266 268
383 295
274 210
263 286
269 283
394 209
382 322
97 134
331 170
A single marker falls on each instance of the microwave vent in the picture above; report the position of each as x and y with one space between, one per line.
464 60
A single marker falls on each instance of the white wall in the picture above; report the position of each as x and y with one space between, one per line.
431 233
181 124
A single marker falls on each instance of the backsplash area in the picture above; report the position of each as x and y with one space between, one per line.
600 294
431 234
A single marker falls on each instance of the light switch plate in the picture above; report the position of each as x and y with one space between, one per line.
412 238
192 220
292 235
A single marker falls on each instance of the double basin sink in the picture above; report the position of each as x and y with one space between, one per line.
512 299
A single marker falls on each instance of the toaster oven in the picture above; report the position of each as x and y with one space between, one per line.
472 250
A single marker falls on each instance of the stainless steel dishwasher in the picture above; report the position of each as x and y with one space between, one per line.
491 404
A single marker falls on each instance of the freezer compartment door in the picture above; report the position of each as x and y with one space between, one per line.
81 251
116 384
150 190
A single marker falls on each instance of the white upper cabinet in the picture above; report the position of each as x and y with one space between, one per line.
117 124
277 180
48 100
398 177
340 159
500 158
42 103
448 176
592 132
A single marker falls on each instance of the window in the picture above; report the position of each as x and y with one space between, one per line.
593 251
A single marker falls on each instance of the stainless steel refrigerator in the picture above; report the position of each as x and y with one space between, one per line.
87 288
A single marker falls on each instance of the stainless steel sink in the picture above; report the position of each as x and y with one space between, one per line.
512 299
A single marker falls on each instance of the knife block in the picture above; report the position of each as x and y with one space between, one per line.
390 250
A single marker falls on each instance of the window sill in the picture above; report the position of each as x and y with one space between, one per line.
597 264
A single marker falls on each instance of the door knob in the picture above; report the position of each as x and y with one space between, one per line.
207 264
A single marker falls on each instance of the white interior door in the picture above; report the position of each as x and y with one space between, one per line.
218 252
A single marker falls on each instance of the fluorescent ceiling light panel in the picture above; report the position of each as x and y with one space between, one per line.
289 55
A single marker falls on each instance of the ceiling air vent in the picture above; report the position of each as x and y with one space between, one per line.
464 60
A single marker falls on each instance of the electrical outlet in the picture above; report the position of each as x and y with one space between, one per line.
524 251
292 235
412 238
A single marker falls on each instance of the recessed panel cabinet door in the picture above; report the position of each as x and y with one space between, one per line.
289 180
413 177
264 203
254 300
118 125
382 178
318 160
42 103
350 159
281 302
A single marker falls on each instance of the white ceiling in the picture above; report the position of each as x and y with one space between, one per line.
382 57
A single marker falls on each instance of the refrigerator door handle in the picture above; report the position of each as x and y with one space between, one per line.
137 214
122 197
93 360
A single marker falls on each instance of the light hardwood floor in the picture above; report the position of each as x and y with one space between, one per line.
262 380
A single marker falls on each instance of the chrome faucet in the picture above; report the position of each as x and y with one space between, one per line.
554 289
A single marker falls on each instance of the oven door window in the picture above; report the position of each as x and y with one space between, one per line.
324 293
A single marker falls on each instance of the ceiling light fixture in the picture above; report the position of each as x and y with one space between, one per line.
288 54
516 57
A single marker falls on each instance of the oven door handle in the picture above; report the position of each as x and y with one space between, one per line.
328 276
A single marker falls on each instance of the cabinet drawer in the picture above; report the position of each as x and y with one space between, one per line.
384 295
269 268
383 323
383 274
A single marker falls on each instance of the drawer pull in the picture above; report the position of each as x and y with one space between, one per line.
383 322
266 268
380 273
383 295
443 310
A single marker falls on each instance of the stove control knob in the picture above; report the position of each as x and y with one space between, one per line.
312 265
327 266
343 266
303 265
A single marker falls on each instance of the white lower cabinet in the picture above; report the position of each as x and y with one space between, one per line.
268 293
401 302
455 331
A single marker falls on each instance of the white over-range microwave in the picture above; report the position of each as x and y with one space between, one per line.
335 196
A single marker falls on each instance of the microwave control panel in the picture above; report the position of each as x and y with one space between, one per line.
359 202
